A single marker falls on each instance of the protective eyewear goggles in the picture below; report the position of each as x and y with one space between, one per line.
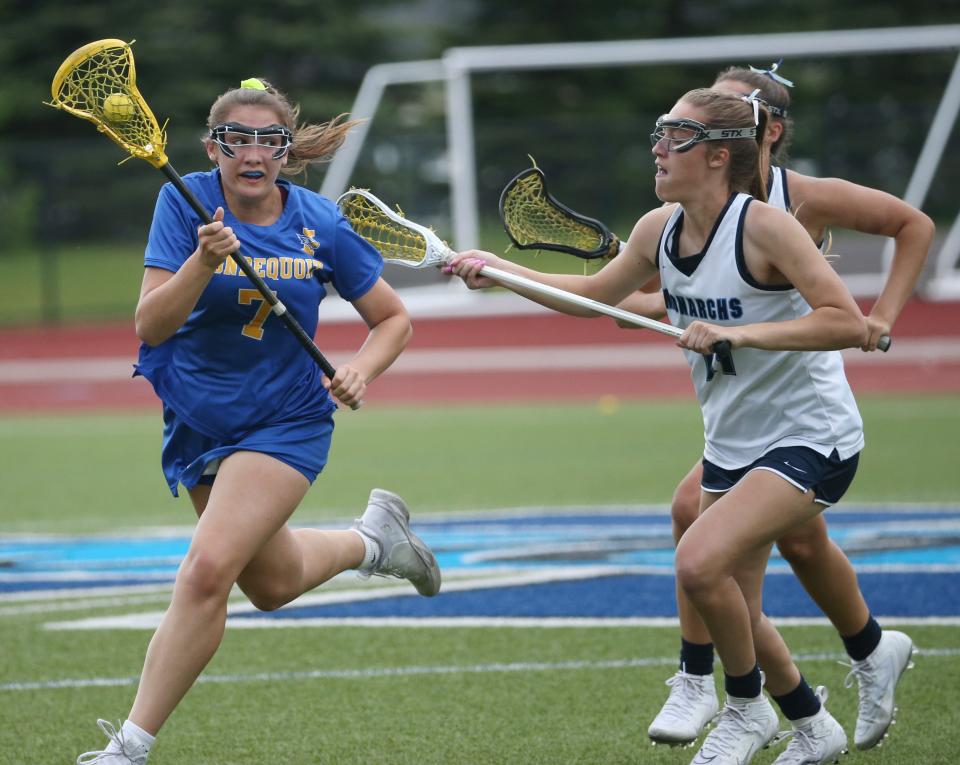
230 136
683 134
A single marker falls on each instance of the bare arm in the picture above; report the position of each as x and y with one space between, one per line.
167 298
832 202
646 302
778 250
390 331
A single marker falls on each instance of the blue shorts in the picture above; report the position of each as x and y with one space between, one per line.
829 477
190 457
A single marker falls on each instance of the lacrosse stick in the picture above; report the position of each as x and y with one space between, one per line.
409 244
535 220
98 83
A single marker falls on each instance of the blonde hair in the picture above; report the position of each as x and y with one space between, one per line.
721 110
311 142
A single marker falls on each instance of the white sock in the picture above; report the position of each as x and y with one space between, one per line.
371 552
136 735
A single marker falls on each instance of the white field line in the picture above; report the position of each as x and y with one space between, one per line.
69 593
150 620
552 622
412 671
532 358
84 604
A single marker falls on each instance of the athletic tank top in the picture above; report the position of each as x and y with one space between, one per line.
777 398
777 193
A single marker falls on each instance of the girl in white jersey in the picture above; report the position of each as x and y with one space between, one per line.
878 658
782 435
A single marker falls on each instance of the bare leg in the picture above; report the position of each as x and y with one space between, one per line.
684 510
242 516
827 574
773 655
726 537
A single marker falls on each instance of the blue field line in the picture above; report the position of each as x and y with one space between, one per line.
907 557
617 597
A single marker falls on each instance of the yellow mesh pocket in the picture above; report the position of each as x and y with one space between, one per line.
392 239
533 219
98 83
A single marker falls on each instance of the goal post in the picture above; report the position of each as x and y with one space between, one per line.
458 66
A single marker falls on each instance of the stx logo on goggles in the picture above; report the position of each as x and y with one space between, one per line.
683 134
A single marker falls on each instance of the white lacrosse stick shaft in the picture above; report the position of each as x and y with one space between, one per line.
515 280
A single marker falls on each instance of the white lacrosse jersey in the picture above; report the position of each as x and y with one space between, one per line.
777 398
777 193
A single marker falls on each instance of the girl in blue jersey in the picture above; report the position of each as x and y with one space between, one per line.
247 413
782 436
878 657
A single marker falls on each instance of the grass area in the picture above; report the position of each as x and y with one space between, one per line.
450 696
87 473
72 283
445 696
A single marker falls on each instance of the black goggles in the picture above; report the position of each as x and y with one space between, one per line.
230 136
683 134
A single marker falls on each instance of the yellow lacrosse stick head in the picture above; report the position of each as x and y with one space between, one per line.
98 83
535 220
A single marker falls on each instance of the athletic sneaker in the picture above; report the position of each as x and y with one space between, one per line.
689 708
817 740
744 727
402 553
118 752
878 676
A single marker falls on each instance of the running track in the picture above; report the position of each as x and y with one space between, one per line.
524 357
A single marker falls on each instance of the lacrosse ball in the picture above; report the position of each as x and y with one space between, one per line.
118 107
608 404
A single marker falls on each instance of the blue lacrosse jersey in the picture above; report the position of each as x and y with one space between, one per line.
234 368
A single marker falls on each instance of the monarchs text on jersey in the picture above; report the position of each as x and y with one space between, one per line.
777 398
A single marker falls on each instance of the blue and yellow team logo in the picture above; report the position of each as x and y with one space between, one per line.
307 241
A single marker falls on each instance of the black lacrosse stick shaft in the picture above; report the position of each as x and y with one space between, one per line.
723 355
291 323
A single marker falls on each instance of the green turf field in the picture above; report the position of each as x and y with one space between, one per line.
96 472
341 695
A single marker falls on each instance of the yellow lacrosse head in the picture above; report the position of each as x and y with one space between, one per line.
396 240
98 83
535 220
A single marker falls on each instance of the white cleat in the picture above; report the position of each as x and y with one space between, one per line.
118 752
743 728
877 676
402 553
689 708
816 740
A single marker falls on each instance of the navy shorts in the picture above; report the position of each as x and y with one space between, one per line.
829 477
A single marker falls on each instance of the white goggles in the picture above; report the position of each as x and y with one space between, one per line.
683 134
230 136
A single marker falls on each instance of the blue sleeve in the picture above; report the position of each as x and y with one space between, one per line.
173 233
356 264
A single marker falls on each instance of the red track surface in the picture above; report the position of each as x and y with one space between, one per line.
86 367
